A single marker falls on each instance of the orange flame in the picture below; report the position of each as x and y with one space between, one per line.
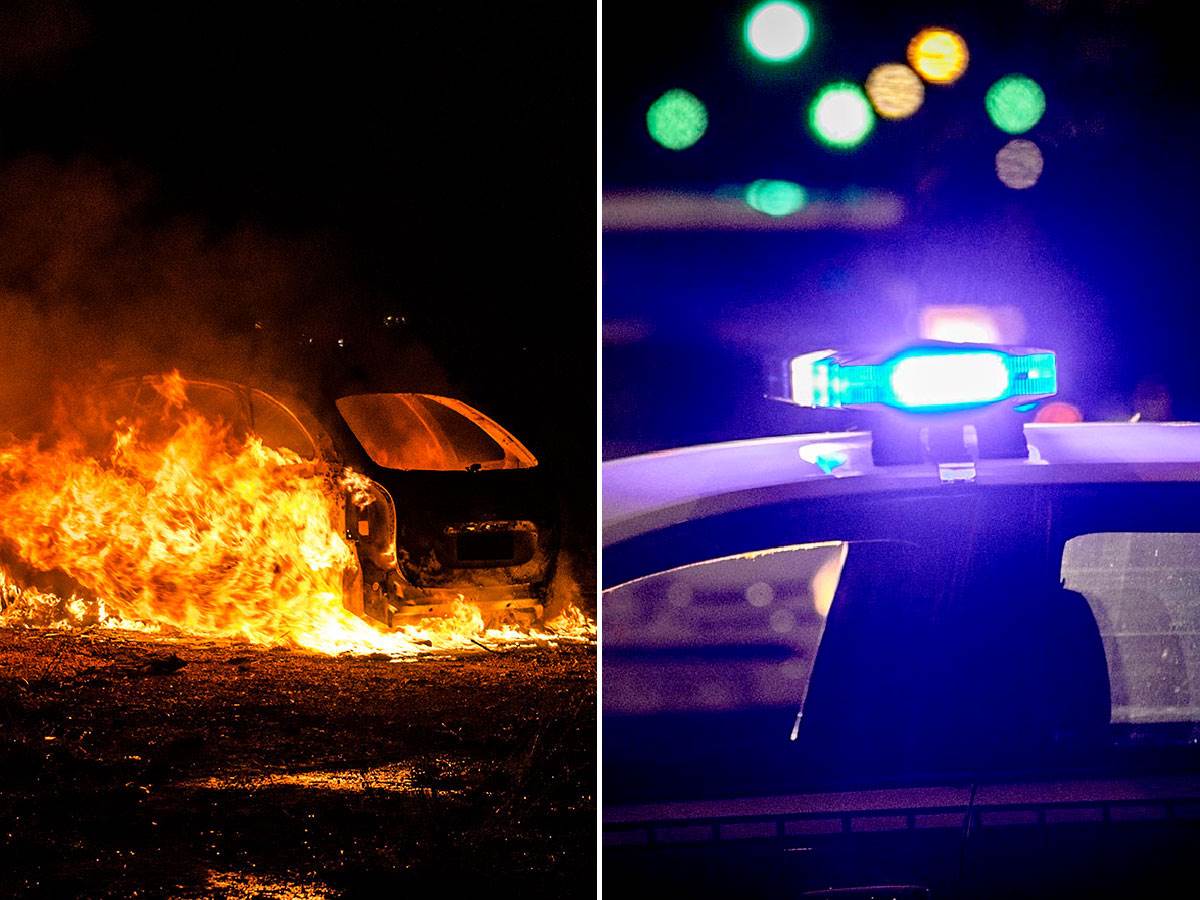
190 528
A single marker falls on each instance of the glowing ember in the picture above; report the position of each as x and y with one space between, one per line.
181 525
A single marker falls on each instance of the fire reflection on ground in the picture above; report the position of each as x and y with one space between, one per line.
139 765
253 886
394 778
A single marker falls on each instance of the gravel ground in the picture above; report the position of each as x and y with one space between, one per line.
144 766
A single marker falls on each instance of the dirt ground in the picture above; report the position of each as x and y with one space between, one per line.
135 766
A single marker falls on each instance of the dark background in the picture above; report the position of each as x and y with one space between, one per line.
1098 256
235 188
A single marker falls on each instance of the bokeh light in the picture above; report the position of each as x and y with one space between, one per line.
679 594
782 621
1059 412
777 31
895 90
760 594
840 115
1015 103
776 198
939 55
960 325
1019 164
677 119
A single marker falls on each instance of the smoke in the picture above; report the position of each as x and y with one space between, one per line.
37 36
97 281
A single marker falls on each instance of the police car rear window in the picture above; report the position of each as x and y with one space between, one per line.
1144 590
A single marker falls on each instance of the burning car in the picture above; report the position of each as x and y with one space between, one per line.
438 501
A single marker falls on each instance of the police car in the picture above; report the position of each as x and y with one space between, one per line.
956 654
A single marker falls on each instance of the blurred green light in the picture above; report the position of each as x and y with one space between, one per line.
777 31
1015 103
776 198
841 116
677 119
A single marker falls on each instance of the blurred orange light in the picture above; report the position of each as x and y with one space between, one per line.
938 55
895 91
1059 412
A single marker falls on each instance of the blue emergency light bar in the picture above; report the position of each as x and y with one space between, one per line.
930 378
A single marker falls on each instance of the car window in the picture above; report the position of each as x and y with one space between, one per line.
425 432
1144 590
155 406
215 402
278 427
732 633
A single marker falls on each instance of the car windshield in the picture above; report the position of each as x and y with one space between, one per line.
974 630
426 432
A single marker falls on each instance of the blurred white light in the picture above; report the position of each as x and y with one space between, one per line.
714 694
841 116
783 621
794 670
803 385
778 31
760 594
679 594
1019 164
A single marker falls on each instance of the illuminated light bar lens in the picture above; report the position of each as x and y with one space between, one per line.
949 379
925 379
806 390
777 31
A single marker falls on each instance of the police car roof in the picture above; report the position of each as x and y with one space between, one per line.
646 493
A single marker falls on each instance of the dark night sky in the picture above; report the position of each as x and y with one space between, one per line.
435 162
1099 255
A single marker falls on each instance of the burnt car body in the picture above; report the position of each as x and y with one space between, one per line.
454 506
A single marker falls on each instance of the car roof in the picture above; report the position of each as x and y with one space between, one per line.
653 491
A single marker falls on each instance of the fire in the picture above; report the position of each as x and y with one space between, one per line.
180 525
